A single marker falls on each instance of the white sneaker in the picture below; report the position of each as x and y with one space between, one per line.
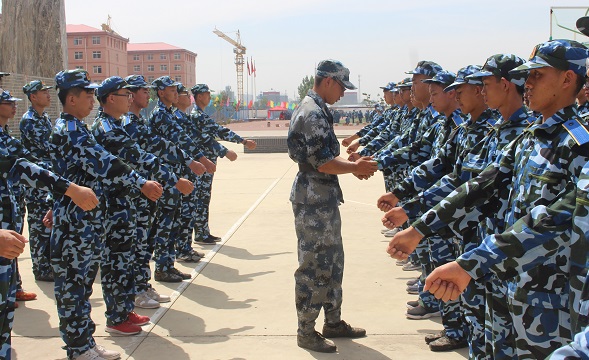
144 301
91 354
106 354
384 230
157 296
392 232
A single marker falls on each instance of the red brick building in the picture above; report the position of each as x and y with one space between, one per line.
153 60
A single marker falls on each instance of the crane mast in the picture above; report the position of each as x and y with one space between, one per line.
239 51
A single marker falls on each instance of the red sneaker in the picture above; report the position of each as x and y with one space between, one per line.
25 296
125 328
137 319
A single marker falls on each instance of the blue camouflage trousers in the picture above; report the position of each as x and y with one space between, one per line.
187 219
499 335
577 349
318 279
77 242
39 235
473 304
118 257
163 231
146 210
203 189
7 300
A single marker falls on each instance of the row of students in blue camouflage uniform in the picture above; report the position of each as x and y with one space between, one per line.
130 217
511 201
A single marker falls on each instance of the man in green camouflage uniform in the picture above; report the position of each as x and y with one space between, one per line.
315 198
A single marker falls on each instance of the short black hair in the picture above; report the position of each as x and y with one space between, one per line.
318 80
63 93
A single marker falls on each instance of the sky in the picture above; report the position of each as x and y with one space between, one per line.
378 40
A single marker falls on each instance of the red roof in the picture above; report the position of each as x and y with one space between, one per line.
71 28
152 47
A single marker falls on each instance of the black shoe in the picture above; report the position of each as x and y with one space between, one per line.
193 256
429 338
167 276
215 238
342 329
446 343
316 342
205 240
45 277
184 276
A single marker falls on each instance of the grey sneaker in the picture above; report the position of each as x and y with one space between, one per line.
144 301
411 267
90 354
419 312
433 337
192 256
392 232
446 343
413 303
401 262
412 281
106 354
342 329
413 289
157 296
316 342
184 276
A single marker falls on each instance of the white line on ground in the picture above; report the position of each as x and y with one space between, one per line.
358 202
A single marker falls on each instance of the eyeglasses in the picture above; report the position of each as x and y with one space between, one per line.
11 103
128 96
340 84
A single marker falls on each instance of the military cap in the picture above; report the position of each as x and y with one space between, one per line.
558 54
378 107
424 67
182 89
200 88
335 70
110 85
137 81
5 96
405 83
33 86
500 65
68 79
442 77
583 25
462 77
389 87
163 82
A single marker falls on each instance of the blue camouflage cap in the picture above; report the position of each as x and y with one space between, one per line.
499 65
33 86
462 77
378 107
405 83
389 87
559 54
68 79
200 88
163 82
7 97
181 88
336 70
424 67
442 77
110 85
137 81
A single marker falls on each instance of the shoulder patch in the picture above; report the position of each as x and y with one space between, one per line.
577 131
492 121
126 120
458 120
70 125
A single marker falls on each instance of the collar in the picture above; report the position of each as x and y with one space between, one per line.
319 101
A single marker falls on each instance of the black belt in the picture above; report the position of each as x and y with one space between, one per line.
306 168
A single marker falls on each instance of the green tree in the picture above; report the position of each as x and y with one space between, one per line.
305 86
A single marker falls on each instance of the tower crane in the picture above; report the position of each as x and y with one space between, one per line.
239 51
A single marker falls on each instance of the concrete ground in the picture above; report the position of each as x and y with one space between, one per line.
239 303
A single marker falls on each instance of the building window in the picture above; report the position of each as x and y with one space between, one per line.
176 56
178 78
96 40
78 55
150 79
96 55
78 41
149 56
97 69
163 56
79 67
177 67
150 68
136 68
163 67
136 57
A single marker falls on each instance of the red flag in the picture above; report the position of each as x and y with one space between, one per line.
248 67
237 105
249 106
283 104
254 68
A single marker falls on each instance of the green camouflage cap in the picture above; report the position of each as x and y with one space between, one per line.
200 88
163 82
405 83
559 54
33 86
5 96
182 89
335 70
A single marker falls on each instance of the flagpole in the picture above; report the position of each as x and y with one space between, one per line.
254 85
